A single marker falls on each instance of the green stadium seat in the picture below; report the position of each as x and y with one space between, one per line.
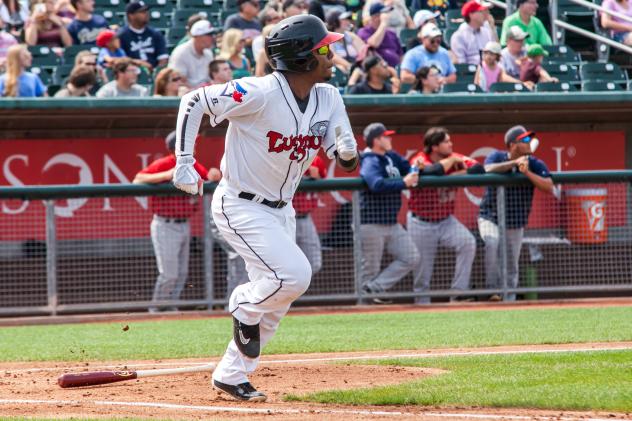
61 73
507 87
453 18
210 6
555 87
338 79
562 54
563 72
461 87
43 56
71 51
164 6
175 34
159 20
603 72
45 75
595 86
406 35
447 35
465 72
112 16
53 89
180 17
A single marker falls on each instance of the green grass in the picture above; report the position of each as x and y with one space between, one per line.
569 381
318 333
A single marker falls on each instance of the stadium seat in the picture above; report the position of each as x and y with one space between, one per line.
461 87
555 87
563 72
180 17
406 35
43 56
465 72
164 6
562 54
447 36
61 73
45 75
506 87
338 78
53 89
453 18
610 72
595 86
175 34
112 16
71 51
159 20
209 6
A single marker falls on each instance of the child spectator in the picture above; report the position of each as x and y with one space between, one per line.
80 82
17 82
85 27
531 69
45 27
110 48
490 71
429 81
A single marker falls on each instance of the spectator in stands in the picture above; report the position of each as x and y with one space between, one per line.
192 58
379 78
525 18
170 229
219 72
490 71
80 82
262 64
110 48
429 53
45 27
17 82
85 27
293 8
431 221
245 20
268 18
514 53
124 83
531 69
428 81
169 82
620 29
517 158
386 174
6 41
64 9
350 46
440 6
89 59
14 15
232 51
421 18
141 41
469 40
315 8
379 36
399 17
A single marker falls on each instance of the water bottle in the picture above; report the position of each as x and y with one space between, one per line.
414 169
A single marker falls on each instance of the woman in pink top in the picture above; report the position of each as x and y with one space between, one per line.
490 71
620 29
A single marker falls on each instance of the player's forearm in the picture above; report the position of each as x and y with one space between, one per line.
544 184
189 120
501 167
155 178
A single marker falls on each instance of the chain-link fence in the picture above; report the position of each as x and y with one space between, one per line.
490 237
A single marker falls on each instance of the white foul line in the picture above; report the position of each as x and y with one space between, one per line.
300 411
437 353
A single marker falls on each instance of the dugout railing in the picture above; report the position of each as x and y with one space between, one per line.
74 249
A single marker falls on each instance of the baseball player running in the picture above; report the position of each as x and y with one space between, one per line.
277 125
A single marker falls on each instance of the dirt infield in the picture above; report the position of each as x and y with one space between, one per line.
30 389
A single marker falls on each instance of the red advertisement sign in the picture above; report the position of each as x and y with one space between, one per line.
96 161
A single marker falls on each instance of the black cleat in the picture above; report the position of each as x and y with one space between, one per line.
247 338
241 392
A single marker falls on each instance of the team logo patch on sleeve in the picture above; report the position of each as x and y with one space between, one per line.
235 91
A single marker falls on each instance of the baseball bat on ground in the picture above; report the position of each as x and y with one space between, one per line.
104 377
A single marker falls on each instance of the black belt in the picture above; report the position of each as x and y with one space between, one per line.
174 220
430 221
277 204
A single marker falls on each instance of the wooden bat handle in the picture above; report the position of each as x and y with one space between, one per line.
94 378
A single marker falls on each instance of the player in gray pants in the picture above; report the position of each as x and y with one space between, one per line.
518 157
236 273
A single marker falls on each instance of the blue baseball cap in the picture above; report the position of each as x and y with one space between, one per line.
379 8
136 6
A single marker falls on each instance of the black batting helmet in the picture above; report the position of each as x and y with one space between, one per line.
291 42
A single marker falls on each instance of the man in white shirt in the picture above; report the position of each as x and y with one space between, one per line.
126 75
478 29
192 58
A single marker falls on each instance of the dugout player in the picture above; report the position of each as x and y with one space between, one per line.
277 125
170 229
517 158
431 220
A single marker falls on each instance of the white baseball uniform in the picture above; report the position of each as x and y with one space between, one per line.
269 145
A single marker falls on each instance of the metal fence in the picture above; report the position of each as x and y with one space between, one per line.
89 248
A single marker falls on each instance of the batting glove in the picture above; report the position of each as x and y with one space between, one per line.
185 177
345 145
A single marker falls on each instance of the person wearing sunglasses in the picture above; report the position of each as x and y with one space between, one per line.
431 54
517 158
379 78
278 123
